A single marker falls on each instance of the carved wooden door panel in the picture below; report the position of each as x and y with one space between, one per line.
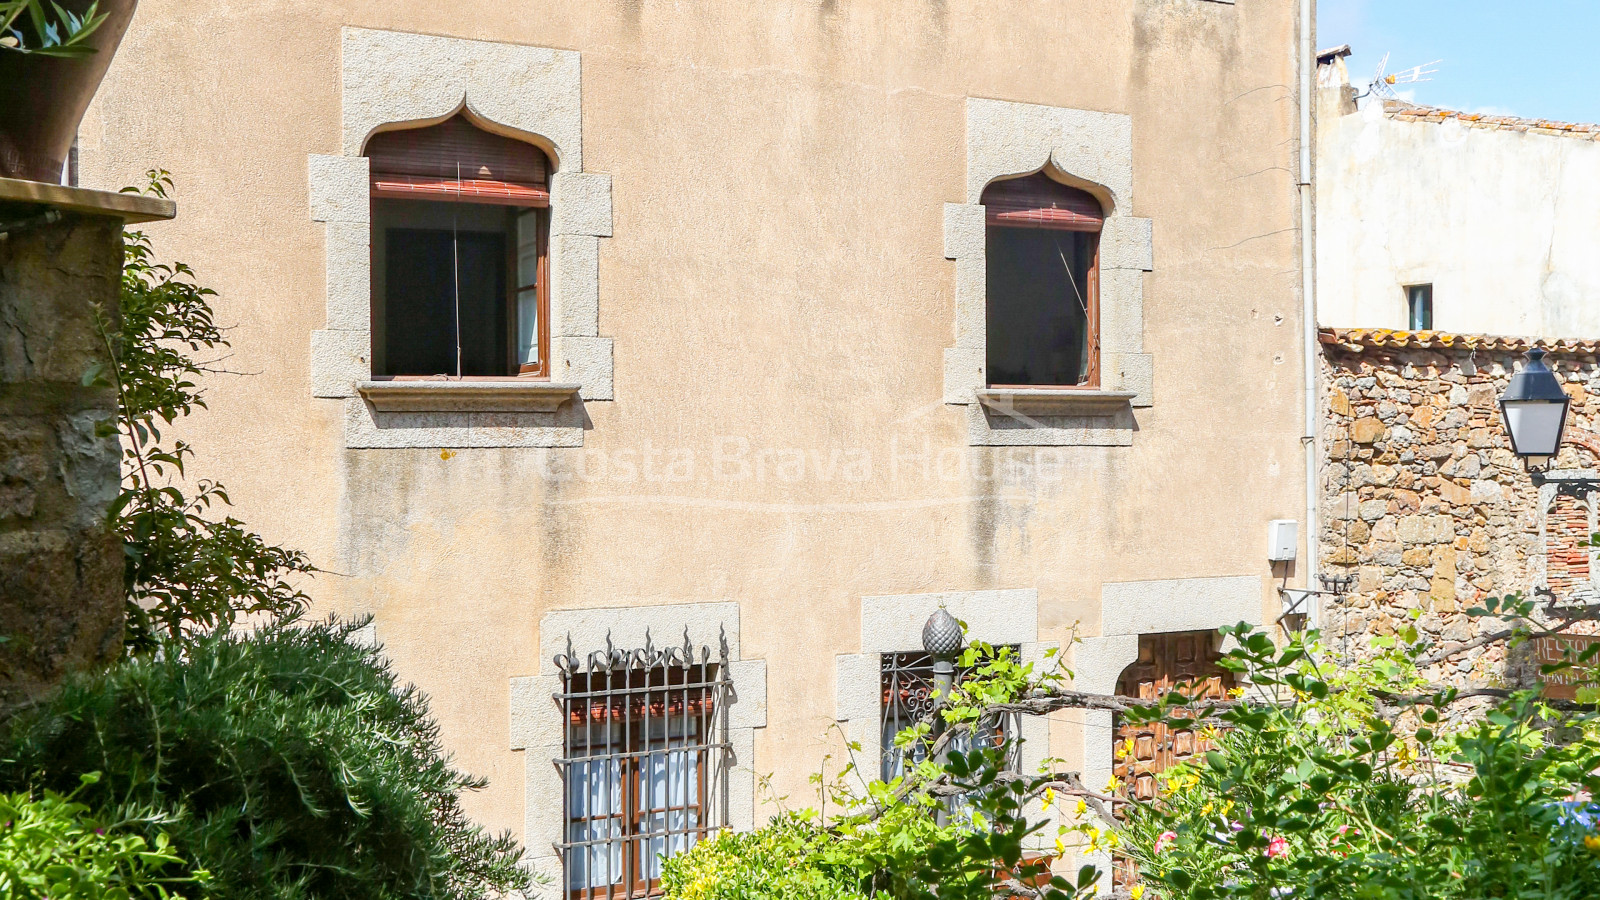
1183 661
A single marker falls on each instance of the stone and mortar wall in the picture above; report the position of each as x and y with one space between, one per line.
1424 503
60 566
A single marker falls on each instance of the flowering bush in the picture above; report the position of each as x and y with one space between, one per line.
1345 784
953 828
1341 781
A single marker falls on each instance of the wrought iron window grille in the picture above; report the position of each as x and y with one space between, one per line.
645 761
907 686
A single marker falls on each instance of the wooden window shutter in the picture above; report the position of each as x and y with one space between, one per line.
456 160
1038 201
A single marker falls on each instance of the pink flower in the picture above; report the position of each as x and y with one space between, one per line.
1277 848
1166 838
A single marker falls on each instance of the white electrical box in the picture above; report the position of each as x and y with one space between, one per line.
1283 537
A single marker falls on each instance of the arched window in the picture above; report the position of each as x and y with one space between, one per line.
460 243
1042 262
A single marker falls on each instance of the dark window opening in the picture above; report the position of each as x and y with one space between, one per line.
1039 306
1042 283
1419 307
460 243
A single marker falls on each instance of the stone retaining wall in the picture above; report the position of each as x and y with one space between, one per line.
1425 505
60 566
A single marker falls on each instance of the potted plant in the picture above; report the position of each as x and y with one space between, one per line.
53 54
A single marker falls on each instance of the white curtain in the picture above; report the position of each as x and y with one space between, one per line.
668 783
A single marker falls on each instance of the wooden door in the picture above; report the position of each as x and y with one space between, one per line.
1183 661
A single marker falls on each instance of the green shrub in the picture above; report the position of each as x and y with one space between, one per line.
782 861
50 847
287 762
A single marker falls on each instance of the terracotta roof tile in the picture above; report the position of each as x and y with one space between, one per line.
1399 109
1384 338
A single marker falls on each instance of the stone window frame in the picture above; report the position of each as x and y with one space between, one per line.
1129 609
1084 149
392 79
537 728
893 624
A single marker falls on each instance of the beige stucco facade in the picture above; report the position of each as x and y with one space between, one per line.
764 294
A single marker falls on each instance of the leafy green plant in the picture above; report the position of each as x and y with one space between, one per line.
1313 794
786 860
957 826
47 30
186 569
51 846
289 763
1359 781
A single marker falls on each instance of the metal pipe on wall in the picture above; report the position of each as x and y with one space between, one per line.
1308 295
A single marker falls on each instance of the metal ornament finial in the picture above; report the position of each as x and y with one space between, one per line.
941 635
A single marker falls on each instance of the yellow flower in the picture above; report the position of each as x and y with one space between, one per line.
1081 808
1236 693
1049 796
1136 892
1061 847
1592 842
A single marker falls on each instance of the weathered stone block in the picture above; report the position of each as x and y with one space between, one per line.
1339 402
1416 556
1426 529
1366 430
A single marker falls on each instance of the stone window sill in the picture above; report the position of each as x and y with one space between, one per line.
1056 401
467 396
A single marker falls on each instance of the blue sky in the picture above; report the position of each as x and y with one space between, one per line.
1533 58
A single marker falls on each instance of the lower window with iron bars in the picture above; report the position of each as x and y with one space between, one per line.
645 764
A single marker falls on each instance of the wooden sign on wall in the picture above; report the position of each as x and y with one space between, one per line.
1563 685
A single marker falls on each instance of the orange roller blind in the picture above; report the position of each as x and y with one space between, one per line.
456 160
1038 201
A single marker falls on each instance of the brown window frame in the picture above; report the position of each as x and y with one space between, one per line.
1060 216
483 189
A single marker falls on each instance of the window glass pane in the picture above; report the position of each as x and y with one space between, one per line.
1419 303
528 328
528 227
1038 300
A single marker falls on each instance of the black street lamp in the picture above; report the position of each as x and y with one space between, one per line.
1535 411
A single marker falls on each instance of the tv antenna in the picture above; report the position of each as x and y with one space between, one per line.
1383 83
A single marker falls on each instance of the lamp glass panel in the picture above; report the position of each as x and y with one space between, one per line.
1535 426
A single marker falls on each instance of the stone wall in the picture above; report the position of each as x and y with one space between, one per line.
1423 502
60 566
